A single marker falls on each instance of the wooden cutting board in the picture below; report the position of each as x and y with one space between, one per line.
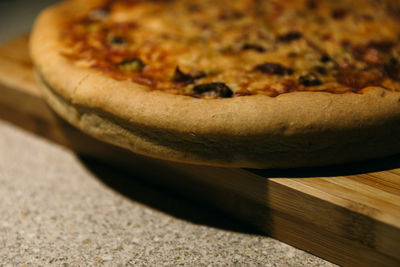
349 214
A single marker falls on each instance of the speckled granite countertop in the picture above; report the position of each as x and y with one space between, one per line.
56 209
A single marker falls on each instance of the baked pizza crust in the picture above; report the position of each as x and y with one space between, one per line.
291 130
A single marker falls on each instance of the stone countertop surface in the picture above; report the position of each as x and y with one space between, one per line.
57 209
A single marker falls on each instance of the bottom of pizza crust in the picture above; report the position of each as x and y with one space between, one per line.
254 150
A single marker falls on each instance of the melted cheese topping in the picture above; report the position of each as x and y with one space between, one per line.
227 48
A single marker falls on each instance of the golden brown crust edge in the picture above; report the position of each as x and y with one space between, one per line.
291 130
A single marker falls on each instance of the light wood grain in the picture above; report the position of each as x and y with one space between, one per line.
346 214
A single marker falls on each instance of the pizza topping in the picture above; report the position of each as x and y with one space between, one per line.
345 43
392 69
131 65
373 52
181 77
321 70
381 45
255 47
289 37
393 61
325 58
226 48
309 80
339 13
273 68
312 4
359 79
117 40
216 89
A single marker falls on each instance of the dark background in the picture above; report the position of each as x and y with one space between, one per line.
17 16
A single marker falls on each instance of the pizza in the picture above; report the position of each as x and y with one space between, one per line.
243 83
